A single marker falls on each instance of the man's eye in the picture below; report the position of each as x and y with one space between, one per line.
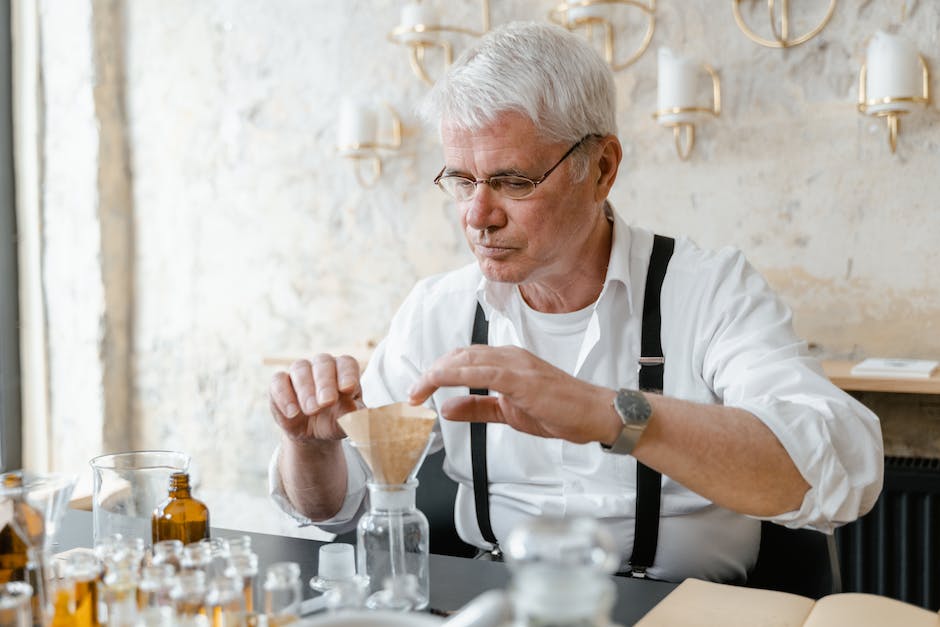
462 183
514 184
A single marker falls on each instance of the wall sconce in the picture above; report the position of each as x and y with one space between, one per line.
420 30
357 138
892 81
782 35
680 97
587 14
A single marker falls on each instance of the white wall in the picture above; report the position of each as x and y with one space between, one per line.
252 238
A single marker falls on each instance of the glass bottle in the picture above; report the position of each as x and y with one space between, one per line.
13 548
167 552
244 567
561 573
282 593
180 517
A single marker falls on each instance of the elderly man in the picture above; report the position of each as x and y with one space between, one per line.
567 314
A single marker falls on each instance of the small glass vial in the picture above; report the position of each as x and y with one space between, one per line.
225 602
180 517
393 548
167 552
156 583
219 554
15 604
244 567
81 571
119 592
196 556
189 594
239 545
282 593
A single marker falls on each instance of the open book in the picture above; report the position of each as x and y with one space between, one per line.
696 603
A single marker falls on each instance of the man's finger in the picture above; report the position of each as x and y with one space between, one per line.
283 399
479 376
473 408
301 376
347 375
324 373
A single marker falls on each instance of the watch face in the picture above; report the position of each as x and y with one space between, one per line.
632 407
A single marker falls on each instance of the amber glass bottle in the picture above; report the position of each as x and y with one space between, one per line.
180 517
13 549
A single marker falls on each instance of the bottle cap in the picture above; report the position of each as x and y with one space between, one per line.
337 561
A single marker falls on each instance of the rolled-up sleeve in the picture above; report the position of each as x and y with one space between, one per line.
753 360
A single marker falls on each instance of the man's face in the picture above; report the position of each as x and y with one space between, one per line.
533 239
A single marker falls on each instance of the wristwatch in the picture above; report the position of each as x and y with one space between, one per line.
635 411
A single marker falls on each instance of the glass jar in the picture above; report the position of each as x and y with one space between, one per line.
244 567
393 548
561 572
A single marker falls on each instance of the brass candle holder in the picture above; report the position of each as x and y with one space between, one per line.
419 37
370 151
590 14
680 118
891 108
781 35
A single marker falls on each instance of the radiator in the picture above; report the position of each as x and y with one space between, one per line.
894 550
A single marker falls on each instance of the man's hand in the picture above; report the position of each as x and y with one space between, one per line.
307 400
535 397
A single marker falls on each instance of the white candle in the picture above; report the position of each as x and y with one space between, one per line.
416 14
358 124
582 12
893 71
678 86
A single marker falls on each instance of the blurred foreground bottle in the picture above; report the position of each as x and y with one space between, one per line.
180 517
13 548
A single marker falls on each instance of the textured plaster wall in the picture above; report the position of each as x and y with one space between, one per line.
251 238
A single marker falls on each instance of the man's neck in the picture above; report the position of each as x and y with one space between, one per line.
577 286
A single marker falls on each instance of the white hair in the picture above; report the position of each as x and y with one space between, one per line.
540 70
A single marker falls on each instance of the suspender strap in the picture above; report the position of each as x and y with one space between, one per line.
481 481
652 366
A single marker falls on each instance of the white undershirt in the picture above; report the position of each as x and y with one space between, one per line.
555 337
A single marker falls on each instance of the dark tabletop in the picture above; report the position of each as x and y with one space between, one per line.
454 580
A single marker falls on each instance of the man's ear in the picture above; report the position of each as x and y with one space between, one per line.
608 163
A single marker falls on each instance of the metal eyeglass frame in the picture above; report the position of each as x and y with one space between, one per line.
500 179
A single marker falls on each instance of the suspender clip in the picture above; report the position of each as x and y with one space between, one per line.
651 361
638 572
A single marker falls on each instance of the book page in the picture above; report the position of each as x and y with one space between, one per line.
697 603
868 610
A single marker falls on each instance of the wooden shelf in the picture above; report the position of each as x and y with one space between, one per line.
840 372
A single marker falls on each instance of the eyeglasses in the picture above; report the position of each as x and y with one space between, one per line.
511 186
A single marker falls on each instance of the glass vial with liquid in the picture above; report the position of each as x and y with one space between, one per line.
393 548
282 593
14 548
180 517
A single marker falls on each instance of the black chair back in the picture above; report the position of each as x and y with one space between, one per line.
800 561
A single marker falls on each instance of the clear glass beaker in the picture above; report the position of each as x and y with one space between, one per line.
127 488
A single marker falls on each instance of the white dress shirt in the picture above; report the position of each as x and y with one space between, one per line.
727 339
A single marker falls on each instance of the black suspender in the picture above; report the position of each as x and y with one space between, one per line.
652 366
481 482
649 481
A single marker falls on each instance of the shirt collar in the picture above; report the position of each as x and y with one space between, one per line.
500 296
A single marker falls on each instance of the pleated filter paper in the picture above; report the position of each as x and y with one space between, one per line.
392 439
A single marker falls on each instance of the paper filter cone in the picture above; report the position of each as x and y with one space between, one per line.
392 439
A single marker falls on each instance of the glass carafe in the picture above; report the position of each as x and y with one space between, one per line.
393 548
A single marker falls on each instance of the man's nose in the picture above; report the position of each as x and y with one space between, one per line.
484 209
